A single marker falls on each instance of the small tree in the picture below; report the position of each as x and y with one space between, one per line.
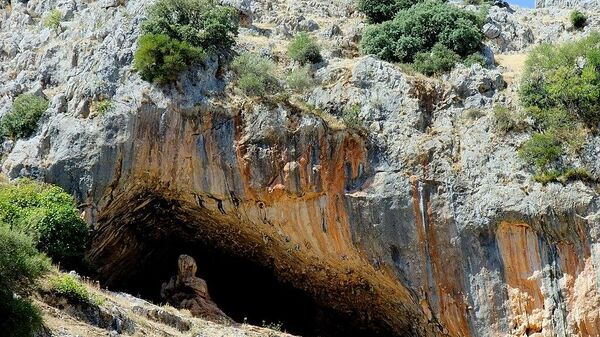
378 11
22 119
304 49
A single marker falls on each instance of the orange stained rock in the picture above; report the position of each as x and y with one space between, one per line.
520 253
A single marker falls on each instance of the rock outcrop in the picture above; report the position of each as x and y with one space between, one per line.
423 222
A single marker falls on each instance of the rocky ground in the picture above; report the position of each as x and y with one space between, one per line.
426 220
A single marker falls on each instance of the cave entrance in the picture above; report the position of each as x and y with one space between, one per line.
148 241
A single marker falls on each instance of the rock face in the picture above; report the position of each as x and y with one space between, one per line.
424 222
587 4
187 291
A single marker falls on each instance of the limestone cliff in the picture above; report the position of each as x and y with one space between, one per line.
423 223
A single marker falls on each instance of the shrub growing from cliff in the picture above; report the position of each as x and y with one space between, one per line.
160 58
21 121
304 49
437 61
70 287
578 19
49 216
300 79
378 11
560 89
255 74
20 266
179 33
52 20
421 27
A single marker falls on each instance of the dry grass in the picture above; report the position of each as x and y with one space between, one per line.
513 63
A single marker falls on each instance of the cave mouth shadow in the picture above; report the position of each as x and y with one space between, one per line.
245 287
246 291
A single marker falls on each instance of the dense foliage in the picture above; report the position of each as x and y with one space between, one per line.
49 216
560 89
255 74
421 27
304 49
160 58
21 121
437 61
70 287
578 19
378 11
20 266
178 33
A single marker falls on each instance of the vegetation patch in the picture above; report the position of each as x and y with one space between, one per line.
304 49
21 121
300 79
578 19
378 11
255 74
179 33
560 89
20 267
53 19
71 288
49 216
428 32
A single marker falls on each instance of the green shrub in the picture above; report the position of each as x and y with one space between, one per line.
70 287
201 23
178 34
20 266
21 121
475 58
53 19
421 27
435 62
578 19
160 59
565 77
304 49
563 176
49 215
351 117
255 74
300 79
103 106
543 149
382 10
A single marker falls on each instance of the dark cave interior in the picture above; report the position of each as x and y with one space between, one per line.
245 290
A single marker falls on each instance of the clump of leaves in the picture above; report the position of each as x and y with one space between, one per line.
304 49
255 74
70 287
180 33
49 215
53 19
578 19
22 119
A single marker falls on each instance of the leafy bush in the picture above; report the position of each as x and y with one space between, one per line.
53 19
70 287
475 58
160 59
507 120
22 119
565 77
20 266
178 33
578 19
383 10
104 106
300 79
543 150
49 215
435 62
304 49
201 23
420 28
255 74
